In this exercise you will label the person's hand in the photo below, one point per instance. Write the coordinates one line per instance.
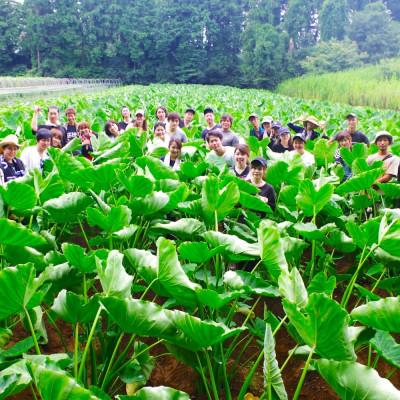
(36, 109)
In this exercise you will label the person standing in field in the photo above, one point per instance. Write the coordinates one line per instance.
(356, 135)
(173, 130)
(187, 120)
(210, 121)
(219, 155)
(266, 124)
(71, 127)
(344, 140)
(384, 140)
(126, 119)
(33, 157)
(229, 138)
(111, 130)
(298, 145)
(256, 130)
(284, 142)
(258, 168)
(274, 135)
(241, 155)
(161, 139)
(11, 167)
(308, 130)
(53, 114)
(139, 122)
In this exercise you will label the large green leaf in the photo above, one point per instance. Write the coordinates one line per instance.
(149, 319)
(67, 207)
(362, 181)
(77, 257)
(312, 201)
(72, 308)
(17, 287)
(14, 379)
(100, 177)
(116, 219)
(390, 238)
(19, 196)
(198, 252)
(323, 325)
(254, 203)
(137, 186)
(272, 374)
(113, 277)
(324, 152)
(185, 228)
(157, 168)
(383, 314)
(292, 288)
(157, 393)
(150, 204)
(386, 347)
(17, 235)
(352, 380)
(271, 249)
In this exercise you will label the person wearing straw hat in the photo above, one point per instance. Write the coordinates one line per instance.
(384, 140)
(11, 167)
(308, 130)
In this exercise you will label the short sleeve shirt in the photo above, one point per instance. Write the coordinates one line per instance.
(390, 164)
(220, 161)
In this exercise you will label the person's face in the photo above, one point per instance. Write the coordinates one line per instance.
(160, 132)
(352, 123)
(214, 143)
(266, 126)
(125, 112)
(225, 124)
(284, 137)
(56, 142)
(71, 118)
(44, 144)
(254, 121)
(173, 123)
(241, 158)
(189, 116)
(53, 115)
(174, 150)
(310, 126)
(345, 142)
(209, 118)
(84, 133)
(139, 118)
(383, 143)
(114, 129)
(257, 171)
(298, 145)
(9, 152)
(161, 115)
(275, 131)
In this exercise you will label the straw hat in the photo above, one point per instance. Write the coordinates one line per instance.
(10, 139)
(313, 120)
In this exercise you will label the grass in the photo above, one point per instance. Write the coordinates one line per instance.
(373, 86)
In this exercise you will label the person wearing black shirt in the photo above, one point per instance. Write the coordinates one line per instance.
(308, 131)
(356, 136)
(241, 157)
(70, 128)
(51, 122)
(258, 167)
(187, 119)
(11, 167)
(284, 142)
(210, 121)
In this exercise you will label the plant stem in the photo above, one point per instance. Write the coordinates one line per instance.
(211, 373)
(89, 341)
(203, 377)
(32, 331)
(57, 329)
(76, 350)
(85, 288)
(313, 244)
(84, 235)
(303, 375)
(288, 357)
(33, 391)
(250, 375)
(114, 353)
(226, 382)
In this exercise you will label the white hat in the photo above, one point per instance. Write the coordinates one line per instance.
(383, 134)
(141, 112)
(268, 120)
(10, 139)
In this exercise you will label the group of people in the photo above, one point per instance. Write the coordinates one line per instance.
(225, 148)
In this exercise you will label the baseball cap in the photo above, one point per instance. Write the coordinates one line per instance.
(268, 120)
(299, 136)
(284, 131)
(139, 112)
(259, 160)
(351, 116)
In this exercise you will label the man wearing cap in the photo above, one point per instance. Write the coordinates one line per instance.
(11, 167)
(383, 140)
(210, 121)
(256, 130)
(284, 143)
(34, 156)
(298, 145)
(219, 155)
(266, 193)
(356, 136)
(308, 131)
(274, 135)
(229, 138)
(139, 122)
(187, 119)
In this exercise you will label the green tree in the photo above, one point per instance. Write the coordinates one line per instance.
(333, 19)
(375, 32)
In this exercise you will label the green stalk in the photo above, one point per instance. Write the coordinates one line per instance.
(303, 375)
(114, 354)
(226, 382)
(89, 341)
(211, 373)
(203, 377)
(33, 391)
(250, 375)
(288, 358)
(85, 288)
(76, 349)
(32, 331)
(216, 220)
(57, 329)
(84, 235)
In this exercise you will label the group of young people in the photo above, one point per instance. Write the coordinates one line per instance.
(225, 148)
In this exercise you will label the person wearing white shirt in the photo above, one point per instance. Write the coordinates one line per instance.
(298, 144)
(34, 156)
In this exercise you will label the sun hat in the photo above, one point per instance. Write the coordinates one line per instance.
(383, 134)
(10, 139)
(252, 116)
(259, 160)
(139, 112)
(267, 120)
(313, 120)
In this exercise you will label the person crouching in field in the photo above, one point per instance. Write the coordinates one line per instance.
(384, 140)
(241, 167)
(11, 167)
(173, 157)
(33, 157)
(220, 155)
(298, 145)
(344, 140)
(161, 139)
(258, 167)
(284, 142)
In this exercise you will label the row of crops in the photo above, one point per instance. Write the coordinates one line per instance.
(122, 259)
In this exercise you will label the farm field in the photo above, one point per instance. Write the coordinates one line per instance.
(373, 86)
(122, 278)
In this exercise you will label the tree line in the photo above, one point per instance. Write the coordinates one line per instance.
(238, 42)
